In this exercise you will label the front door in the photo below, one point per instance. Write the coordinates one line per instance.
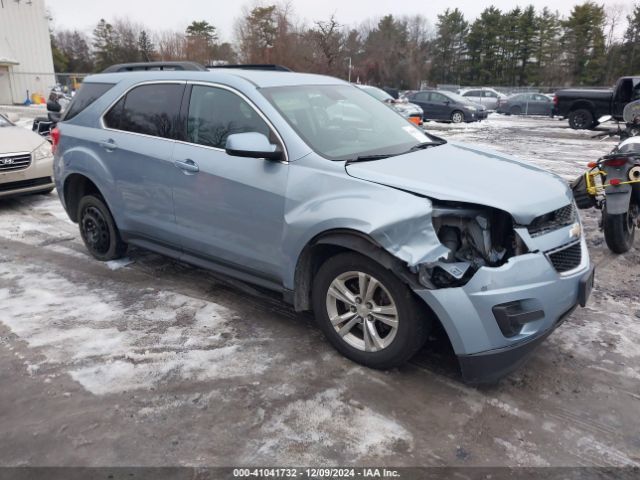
(440, 106)
(228, 209)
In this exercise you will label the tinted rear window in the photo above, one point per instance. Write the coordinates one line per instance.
(88, 93)
(148, 109)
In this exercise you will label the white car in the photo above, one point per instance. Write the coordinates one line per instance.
(26, 161)
(487, 97)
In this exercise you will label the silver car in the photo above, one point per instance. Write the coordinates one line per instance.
(487, 97)
(308, 186)
(26, 161)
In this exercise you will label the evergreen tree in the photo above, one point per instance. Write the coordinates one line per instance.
(449, 47)
(585, 43)
(632, 41)
(105, 45)
(146, 47)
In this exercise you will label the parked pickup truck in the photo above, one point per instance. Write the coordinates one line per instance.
(583, 106)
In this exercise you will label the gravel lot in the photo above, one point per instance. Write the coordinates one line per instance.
(152, 362)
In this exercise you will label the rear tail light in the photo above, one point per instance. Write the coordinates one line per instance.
(615, 182)
(615, 162)
(555, 100)
(55, 139)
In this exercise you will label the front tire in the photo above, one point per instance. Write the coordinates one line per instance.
(515, 111)
(98, 229)
(367, 313)
(457, 117)
(620, 229)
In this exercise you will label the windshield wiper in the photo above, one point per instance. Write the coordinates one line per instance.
(369, 158)
(423, 145)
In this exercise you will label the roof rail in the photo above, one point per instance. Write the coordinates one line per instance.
(254, 66)
(142, 66)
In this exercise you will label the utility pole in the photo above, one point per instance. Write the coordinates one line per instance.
(349, 59)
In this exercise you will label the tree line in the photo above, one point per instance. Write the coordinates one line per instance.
(518, 47)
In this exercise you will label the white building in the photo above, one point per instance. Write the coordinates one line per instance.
(26, 62)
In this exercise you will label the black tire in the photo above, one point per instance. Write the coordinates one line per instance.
(582, 198)
(413, 322)
(98, 229)
(515, 110)
(457, 116)
(619, 230)
(581, 119)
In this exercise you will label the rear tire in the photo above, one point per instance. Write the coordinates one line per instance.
(98, 229)
(619, 230)
(515, 111)
(387, 308)
(457, 117)
(581, 119)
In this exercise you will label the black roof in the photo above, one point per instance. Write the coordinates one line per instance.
(254, 66)
(141, 66)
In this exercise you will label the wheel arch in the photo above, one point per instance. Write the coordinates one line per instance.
(582, 104)
(329, 243)
(76, 186)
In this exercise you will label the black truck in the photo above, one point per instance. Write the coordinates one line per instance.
(583, 106)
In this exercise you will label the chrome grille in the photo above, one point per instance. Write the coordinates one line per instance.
(14, 162)
(551, 221)
(566, 257)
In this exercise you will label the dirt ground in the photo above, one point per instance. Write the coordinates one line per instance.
(151, 362)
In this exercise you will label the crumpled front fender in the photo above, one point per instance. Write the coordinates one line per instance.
(325, 199)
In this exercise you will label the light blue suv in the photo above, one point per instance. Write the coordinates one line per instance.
(306, 185)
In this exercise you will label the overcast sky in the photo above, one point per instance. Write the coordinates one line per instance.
(176, 15)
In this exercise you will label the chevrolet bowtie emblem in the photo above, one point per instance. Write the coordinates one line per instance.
(575, 231)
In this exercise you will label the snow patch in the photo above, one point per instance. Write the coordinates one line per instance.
(329, 421)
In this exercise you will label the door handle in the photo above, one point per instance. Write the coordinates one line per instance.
(109, 145)
(188, 165)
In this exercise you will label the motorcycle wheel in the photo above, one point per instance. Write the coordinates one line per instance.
(620, 229)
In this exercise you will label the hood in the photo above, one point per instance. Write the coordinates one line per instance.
(17, 139)
(457, 172)
(407, 108)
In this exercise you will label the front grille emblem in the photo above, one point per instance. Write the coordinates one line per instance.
(7, 161)
(575, 231)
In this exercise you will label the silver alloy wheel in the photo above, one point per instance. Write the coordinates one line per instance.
(457, 117)
(362, 311)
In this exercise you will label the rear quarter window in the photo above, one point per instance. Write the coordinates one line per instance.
(88, 93)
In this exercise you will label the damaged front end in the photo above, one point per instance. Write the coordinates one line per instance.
(475, 237)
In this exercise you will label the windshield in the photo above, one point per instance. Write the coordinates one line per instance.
(4, 122)
(340, 122)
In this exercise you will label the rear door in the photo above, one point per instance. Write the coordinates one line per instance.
(228, 209)
(137, 144)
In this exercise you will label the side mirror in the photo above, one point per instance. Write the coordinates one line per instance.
(252, 145)
(605, 118)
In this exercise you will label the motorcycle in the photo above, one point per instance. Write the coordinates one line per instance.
(56, 104)
(612, 185)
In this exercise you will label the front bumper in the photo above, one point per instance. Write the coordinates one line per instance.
(38, 177)
(468, 316)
